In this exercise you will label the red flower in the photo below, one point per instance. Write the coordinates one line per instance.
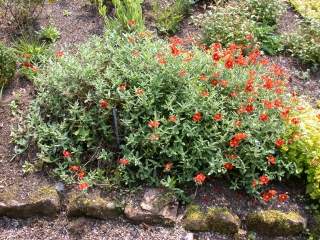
(199, 178)
(241, 61)
(224, 83)
(234, 143)
(264, 117)
(103, 103)
(283, 197)
(204, 93)
(123, 161)
(168, 166)
(249, 37)
(131, 22)
(264, 180)
(66, 154)
(240, 136)
(74, 168)
(216, 57)
(27, 64)
(254, 183)
(153, 124)
(83, 186)
(237, 123)
(182, 73)
(249, 108)
(214, 82)
(295, 121)
(271, 159)
(267, 104)
(176, 40)
(122, 87)
(229, 63)
(277, 103)
(229, 166)
(174, 50)
(268, 83)
(267, 196)
(233, 94)
(285, 113)
(139, 92)
(279, 142)
(203, 77)
(172, 118)
(59, 54)
(197, 117)
(81, 174)
(217, 117)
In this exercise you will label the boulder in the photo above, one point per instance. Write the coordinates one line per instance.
(91, 205)
(158, 206)
(215, 219)
(222, 220)
(276, 223)
(195, 219)
(44, 201)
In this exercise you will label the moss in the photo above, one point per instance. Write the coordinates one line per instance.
(44, 193)
(195, 219)
(223, 221)
(274, 222)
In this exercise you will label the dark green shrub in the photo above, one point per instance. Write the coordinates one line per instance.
(7, 65)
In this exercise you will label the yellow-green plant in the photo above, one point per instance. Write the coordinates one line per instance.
(307, 8)
(129, 13)
(304, 146)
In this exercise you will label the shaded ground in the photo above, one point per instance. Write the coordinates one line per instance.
(81, 23)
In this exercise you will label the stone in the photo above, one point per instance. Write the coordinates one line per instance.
(276, 223)
(195, 219)
(222, 220)
(156, 199)
(91, 205)
(44, 201)
(138, 215)
(219, 220)
(187, 236)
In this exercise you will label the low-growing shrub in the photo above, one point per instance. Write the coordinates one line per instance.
(7, 65)
(303, 147)
(304, 43)
(266, 12)
(307, 8)
(49, 34)
(179, 115)
(231, 25)
(169, 18)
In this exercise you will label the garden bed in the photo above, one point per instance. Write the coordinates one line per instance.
(77, 23)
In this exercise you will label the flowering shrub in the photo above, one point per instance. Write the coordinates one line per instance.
(7, 65)
(235, 23)
(183, 114)
(304, 139)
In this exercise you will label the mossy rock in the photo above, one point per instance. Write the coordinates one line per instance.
(92, 205)
(223, 221)
(219, 220)
(195, 219)
(44, 201)
(276, 223)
